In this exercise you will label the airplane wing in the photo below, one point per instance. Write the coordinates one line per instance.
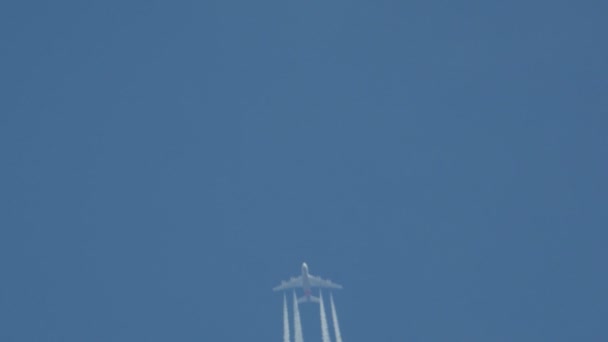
(288, 284)
(319, 282)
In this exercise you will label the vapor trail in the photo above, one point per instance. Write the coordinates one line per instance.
(334, 316)
(297, 324)
(286, 337)
(324, 329)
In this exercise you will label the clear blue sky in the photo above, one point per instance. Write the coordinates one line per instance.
(165, 164)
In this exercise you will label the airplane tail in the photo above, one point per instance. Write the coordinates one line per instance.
(308, 299)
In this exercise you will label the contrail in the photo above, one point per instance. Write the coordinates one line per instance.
(324, 330)
(286, 337)
(334, 316)
(297, 324)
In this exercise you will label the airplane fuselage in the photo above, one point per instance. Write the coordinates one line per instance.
(306, 281)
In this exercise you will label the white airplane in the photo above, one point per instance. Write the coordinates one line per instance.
(306, 281)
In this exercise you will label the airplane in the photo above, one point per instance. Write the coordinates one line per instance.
(306, 281)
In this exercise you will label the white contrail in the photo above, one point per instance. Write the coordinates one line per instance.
(297, 324)
(286, 337)
(324, 330)
(334, 316)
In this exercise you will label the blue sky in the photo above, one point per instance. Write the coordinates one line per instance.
(165, 164)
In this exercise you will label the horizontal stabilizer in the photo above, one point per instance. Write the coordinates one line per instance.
(308, 299)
